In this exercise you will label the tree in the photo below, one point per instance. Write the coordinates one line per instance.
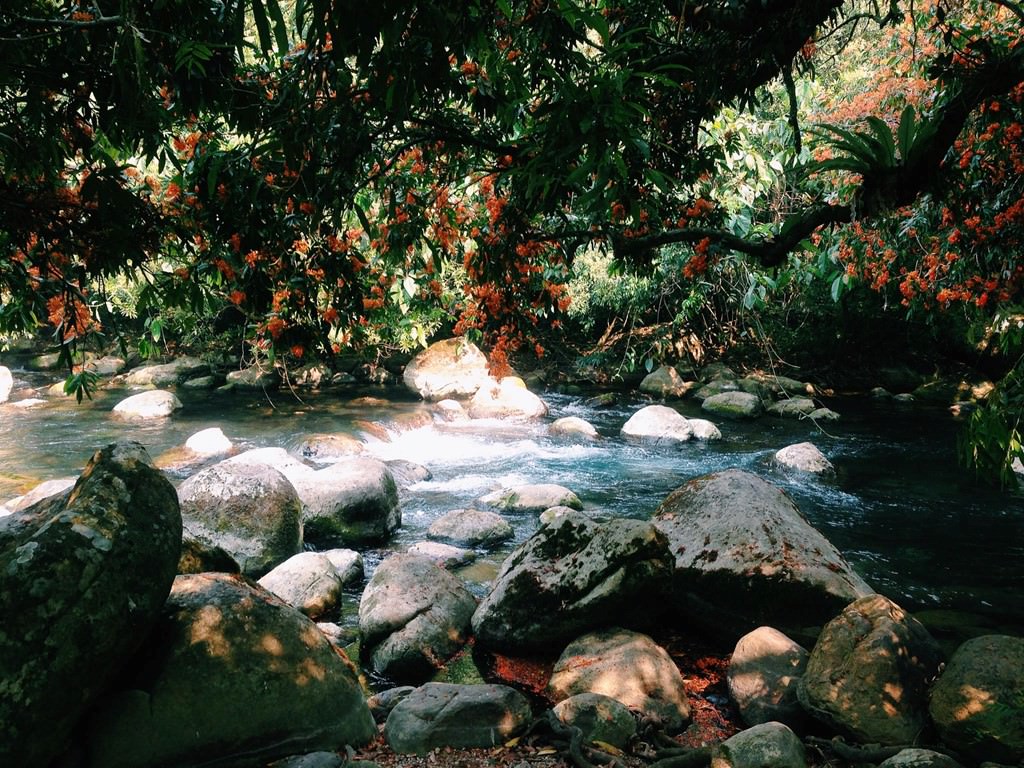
(341, 174)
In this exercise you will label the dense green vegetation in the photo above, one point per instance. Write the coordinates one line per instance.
(323, 176)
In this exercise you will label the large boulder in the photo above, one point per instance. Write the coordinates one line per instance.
(307, 581)
(83, 576)
(447, 369)
(506, 399)
(229, 676)
(745, 556)
(413, 616)
(167, 374)
(351, 502)
(250, 511)
(869, 673)
(658, 424)
(628, 667)
(154, 404)
(665, 382)
(570, 577)
(439, 715)
(978, 703)
(6, 383)
(532, 498)
(763, 674)
(769, 745)
(734, 405)
(470, 528)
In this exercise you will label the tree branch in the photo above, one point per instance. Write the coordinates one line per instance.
(99, 21)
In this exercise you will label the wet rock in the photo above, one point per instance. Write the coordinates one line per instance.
(506, 399)
(254, 377)
(804, 457)
(408, 473)
(450, 368)
(250, 511)
(600, 718)
(444, 555)
(869, 673)
(880, 393)
(276, 458)
(704, 430)
(745, 556)
(658, 424)
(328, 447)
(83, 577)
(6, 383)
(769, 745)
(439, 715)
(823, 414)
(919, 758)
(154, 404)
(793, 407)
(904, 398)
(209, 442)
(573, 426)
(470, 528)
(978, 703)
(307, 581)
(202, 383)
(570, 577)
(532, 498)
(716, 387)
(451, 410)
(413, 616)
(666, 382)
(734, 405)
(628, 667)
(230, 675)
(348, 564)
(167, 374)
(763, 674)
(352, 502)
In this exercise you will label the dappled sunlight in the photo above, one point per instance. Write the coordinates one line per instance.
(207, 628)
(272, 645)
(974, 701)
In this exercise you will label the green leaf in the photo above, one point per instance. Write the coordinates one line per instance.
(259, 15)
(907, 131)
(885, 139)
(280, 28)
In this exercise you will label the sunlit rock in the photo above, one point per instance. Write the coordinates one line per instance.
(762, 677)
(230, 675)
(45, 490)
(167, 374)
(254, 377)
(108, 365)
(746, 557)
(573, 426)
(628, 667)
(413, 616)
(307, 581)
(804, 457)
(978, 702)
(328, 447)
(532, 498)
(769, 745)
(407, 472)
(658, 424)
(451, 368)
(570, 577)
(780, 386)
(665, 382)
(444, 555)
(506, 399)
(250, 511)
(209, 442)
(154, 404)
(703, 429)
(83, 577)
(869, 673)
(6, 383)
(470, 528)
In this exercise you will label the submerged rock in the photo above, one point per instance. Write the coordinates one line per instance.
(745, 556)
(83, 576)
(229, 676)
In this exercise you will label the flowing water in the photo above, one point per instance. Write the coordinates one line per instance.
(899, 509)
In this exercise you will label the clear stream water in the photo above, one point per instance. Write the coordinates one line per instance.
(900, 509)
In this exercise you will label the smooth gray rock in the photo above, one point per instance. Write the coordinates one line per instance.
(413, 616)
(763, 673)
(83, 577)
(658, 424)
(704, 430)
(328, 447)
(978, 703)
(804, 457)
(45, 490)
(444, 555)
(459, 716)
(470, 528)
(451, 368)
(600, 718)
(167, 374)
(307, 581)
(6, 383)
(250, 511)
(573, 426)
(869, 673)
(154, 404)
(254, 377)
(746, 557)
(230, 676)
(382, 703)
(823, 414)
(506, 399)
(532, 498)
(407, 473)
(716, 387)
(665, 382)
(570, 577)
(108, 365)
(209, 442)
(919, 758)
(793, 407)
(734, 405)
(628, 667)
(348, 564)
(769, 745)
